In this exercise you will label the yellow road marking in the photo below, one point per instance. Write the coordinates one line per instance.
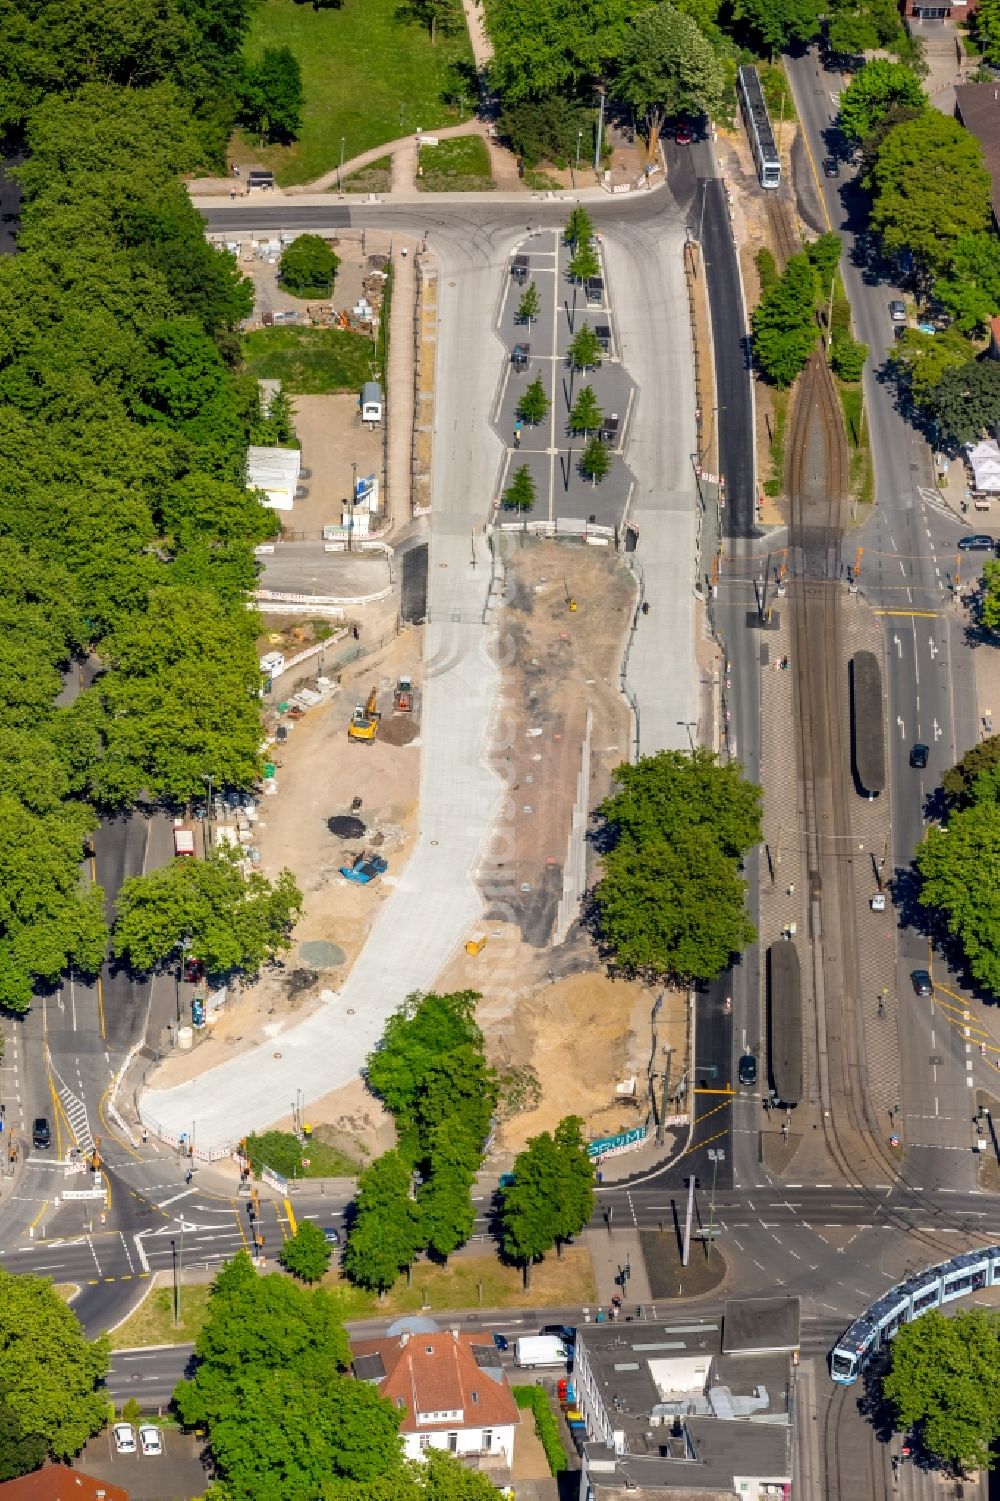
(729, 1090)
(291, 1216)
(100, 1003)
(239, 1222)
(38, 1216)
(697, 1145)
(804, 137)
(911, 614)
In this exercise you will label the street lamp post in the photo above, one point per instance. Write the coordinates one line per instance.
(714, 1158)
(208, 812)
(340, 169)
(579, 143)
(689, 725)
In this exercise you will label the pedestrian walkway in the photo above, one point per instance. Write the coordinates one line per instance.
(400, 393)
(610, 1252)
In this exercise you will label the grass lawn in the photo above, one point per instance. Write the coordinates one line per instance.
(862, 478)
(375, 178)
(367, 78)
(775, 484)
(475, 1282)
(153, 1321)
(310, 361)
(328, 1162)
(461, 165)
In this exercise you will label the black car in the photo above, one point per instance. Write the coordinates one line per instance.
(747, 1069)
(921, 981)
(831, 167)
(501, 1341)
(976, 542)
(41, 1135)
(918, 755)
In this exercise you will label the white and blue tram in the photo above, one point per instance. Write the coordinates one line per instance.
(902, 1304)
(758, 126)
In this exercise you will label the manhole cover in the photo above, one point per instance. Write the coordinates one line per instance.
(320, 954)
(345, 826)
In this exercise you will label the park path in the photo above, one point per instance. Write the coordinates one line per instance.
(400, 380)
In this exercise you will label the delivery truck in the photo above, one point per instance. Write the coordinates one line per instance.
(534, 1350)
(183, 840)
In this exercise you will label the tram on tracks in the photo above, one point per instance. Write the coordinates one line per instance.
(932, 1288)
(758, 126)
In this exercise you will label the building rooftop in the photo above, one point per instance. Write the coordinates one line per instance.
(60, 1483)
(977, 105)
(706, 1459)
(751, 1325)
(444, 1380)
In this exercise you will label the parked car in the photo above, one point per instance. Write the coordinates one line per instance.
(918, 755)
(877, 902)
(976, 542)
(41, 1135)
(565, 1332)
(747, 1069)
(150, 1440)
(921, 981)
(831, 166)
(331, 1235)
(897, 310)
(683, 134)
(124, 1438)
(502, 1342)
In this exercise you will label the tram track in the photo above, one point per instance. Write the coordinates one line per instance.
(787, 240)
(817, 485)
(855, 1461)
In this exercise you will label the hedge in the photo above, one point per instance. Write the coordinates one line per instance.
(546, 1425)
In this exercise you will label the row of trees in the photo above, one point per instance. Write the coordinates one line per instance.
(126, 533)
(931, 206)
(655, 61)
(672, 900)
(786, 323)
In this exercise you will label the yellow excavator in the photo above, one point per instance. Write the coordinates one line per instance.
(364, 721)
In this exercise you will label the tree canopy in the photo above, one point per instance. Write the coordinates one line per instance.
(281, 1416)
(785, 331)
(929, 188)
(385, 1233)
(671, 900)
(271, 96)
(873, 92)
(965, 402)
(970, 908)
(306, 1253)
(49, 1373)
(668, 68)
(944, 1383)
(959, 782)
(308, 267)
(231, 922)
(551, 1197)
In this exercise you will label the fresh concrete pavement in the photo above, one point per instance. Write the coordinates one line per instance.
(436, 901)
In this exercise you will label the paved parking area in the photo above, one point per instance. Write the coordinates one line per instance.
(550, 451)
(178, 1471)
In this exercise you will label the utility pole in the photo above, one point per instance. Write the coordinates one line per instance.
(340, 169)
(600, 135)
(208, 813)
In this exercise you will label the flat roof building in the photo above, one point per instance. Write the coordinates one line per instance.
(276, 472)
(667, 1412)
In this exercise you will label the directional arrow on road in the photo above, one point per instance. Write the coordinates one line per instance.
(902, 727)
(933, 647)
(898, 645)
(938, 731)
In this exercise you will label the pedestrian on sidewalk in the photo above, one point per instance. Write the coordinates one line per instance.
(145, 1136)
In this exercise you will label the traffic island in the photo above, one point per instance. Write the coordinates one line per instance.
(668, 1278)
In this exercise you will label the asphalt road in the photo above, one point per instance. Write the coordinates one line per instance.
(907, 567)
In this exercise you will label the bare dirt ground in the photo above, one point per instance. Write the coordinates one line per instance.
(320, 775)
(269, 297)
(333, 437)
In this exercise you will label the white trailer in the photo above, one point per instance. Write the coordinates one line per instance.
(540, 1350)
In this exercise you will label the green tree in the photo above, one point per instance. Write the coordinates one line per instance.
(970, 287)
(986, 22)
(272, 96)
(848, 356)
(586, 416)
(424, 1030)
(959, 782)
(437, 15)
(920, 360)
(306, 1254)
(595, 461)
(232, 922)
(671, 900)
(444, 1203)
(548, 129)
(944, 1382)
(281, 1151)
(785, 331)
(584, 262)
(575, 1201)
(529, 1213)
(49, 1375)
(282, 1419)
(579, 228)
(132, 1412)
(520, 494)
(534, 404)
(669, 68)
(929, 188)
(966, 401)
(529, 304)
(824, 256)
(385, 1232)
(989, 612)
(851, 34)
(275, 428)
(546, 47)
(776, 26)
(585, 349)
(968, 908)
(308, 267)
(874, 91)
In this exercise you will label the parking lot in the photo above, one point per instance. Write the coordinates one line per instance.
(178, 1471)
(551, 452)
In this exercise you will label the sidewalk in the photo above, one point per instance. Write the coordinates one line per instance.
(610, 1250)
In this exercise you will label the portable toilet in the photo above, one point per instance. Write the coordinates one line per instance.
(371, 401)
